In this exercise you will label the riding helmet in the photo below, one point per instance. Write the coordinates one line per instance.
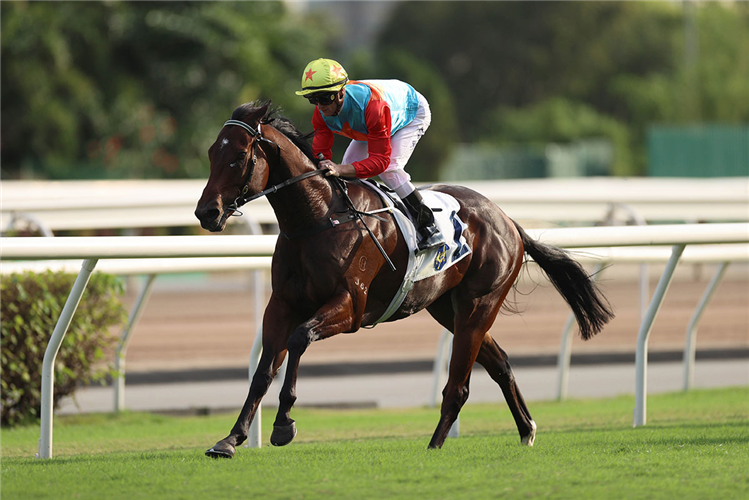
(322, 75)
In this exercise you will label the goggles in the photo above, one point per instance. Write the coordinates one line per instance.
(323, 99)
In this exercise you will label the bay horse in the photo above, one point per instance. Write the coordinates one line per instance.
(329, 279)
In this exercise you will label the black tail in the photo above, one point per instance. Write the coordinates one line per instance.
(590, 307)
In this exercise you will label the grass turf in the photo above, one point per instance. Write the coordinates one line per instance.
(696, 445)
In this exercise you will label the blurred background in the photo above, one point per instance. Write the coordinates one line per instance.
(128, 92)
(111, 90)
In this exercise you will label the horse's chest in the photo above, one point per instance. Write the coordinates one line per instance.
(303, 279)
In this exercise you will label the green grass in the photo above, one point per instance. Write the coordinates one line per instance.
(695, 445)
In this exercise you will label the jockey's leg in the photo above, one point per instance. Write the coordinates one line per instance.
(430, 234)
(396, 178)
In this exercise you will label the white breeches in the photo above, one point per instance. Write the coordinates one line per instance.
(403, 143)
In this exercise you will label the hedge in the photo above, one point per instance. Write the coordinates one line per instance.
(30, 306)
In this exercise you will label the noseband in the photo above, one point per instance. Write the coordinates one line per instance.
(257, 135)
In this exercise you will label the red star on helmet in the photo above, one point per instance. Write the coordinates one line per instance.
(336, 70)
(308, 75)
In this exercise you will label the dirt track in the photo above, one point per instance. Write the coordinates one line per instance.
(201, 329)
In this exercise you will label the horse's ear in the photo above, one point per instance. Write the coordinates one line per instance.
(252, 112)
(266, 110)
(262, 112)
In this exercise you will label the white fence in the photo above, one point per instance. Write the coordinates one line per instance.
(75, 205)
(93, 249)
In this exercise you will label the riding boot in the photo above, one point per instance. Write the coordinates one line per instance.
(422, 214)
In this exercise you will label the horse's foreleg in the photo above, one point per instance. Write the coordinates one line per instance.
(334, 317)
(275, 333)
(497, 364)
(261, 380)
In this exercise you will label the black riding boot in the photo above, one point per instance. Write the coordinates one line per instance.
(422, 214)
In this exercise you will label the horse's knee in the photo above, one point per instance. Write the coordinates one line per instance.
(507, 376)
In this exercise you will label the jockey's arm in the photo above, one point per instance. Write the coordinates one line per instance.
(377, 117)
(323, 140)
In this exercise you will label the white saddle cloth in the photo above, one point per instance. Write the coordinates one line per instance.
(425, 264)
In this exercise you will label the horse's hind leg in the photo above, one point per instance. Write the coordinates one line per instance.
(473, 318)
(333, 318)
(497, 364)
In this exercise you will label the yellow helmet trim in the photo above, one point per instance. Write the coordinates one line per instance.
(322, 75)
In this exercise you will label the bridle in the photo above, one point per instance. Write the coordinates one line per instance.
(257, 135)
(351, 210)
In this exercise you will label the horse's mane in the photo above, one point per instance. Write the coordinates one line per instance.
(278, 122)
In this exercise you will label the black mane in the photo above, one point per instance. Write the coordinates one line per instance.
(280, 123)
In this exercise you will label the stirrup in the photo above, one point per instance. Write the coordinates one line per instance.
(431, 237)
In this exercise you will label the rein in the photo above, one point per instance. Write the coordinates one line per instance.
(242, 200)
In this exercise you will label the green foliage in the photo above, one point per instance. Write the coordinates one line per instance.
(631, 63)
(139, 89)
(558, 120)
(31, 305)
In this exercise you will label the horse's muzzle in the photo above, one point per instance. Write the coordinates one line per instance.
(211, 218)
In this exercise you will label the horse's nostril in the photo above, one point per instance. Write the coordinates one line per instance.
(207, 214)
(211, 214)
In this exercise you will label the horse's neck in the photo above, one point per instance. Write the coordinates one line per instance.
(304, 203)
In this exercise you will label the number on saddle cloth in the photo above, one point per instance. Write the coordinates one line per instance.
(445, 208)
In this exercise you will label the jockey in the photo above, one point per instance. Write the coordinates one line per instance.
(384, 118)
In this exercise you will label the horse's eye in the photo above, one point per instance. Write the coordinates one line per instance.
(240, 159)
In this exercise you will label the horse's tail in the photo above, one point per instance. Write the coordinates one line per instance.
(590, 307)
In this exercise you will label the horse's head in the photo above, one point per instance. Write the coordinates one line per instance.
(239, 166)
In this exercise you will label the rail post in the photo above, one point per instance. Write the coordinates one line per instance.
(119, 357)
(48, 365)
(690, 347)
(641, 354)
(254, 437)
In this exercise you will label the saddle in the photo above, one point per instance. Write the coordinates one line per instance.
(425, 263)
(421, 264)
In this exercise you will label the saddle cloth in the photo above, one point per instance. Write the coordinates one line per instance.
(425, 264)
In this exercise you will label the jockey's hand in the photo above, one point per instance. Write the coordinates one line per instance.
(346, 170)
(330, 167)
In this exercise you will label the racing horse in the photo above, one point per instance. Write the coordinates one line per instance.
(328, 272)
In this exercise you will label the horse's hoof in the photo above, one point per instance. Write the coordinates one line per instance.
(283, 434)
(528, 440)
(220, 450)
